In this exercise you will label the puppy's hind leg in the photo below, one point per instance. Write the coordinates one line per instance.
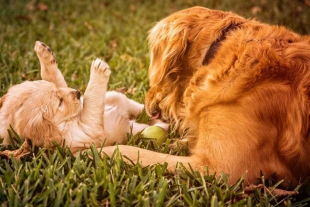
(49, 69)
(126, 107)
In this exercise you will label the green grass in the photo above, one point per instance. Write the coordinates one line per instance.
(78, 32)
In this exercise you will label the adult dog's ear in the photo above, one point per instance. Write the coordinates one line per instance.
(167, 43)
(37, 127)
(171, 38)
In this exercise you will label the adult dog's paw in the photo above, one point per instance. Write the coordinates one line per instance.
(100, 67)
(44, 53)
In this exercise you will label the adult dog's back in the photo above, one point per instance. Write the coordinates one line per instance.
(237, 88)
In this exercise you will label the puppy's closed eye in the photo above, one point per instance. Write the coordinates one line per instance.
(60, 102)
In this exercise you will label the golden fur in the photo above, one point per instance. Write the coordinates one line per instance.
(47, 111)
(240, 95)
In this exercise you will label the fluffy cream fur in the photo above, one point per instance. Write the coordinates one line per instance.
(47, 111)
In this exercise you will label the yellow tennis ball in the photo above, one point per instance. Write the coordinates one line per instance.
(155, 132)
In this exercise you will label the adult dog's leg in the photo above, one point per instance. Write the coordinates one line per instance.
(94, 97)
(49, 69)
(147, 157)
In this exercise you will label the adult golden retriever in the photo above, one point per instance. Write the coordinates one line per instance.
(239, 91)
(48, 111)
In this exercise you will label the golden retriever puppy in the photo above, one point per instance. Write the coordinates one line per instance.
(47, 111)
(241, 95)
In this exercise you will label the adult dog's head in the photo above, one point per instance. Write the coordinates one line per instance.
(240, 88)
(178, 46)
(35, 109)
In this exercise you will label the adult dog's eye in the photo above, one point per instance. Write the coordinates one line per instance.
(60, 101)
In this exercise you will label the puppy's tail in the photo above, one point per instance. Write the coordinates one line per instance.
(147, 157)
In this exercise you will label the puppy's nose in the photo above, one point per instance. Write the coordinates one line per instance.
(78, 94)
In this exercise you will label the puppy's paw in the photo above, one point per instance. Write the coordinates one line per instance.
(44, 53)
(160, 123)
(100, 67)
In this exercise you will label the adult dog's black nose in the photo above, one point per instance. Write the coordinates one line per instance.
(78, 94)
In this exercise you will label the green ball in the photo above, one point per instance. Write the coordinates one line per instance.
(155, 132)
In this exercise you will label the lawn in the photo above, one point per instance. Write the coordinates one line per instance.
(80, 31)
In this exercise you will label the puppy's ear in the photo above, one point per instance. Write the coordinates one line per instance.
(38, 128)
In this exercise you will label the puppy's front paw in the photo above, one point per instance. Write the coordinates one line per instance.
(101, 68)
(44, 53)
